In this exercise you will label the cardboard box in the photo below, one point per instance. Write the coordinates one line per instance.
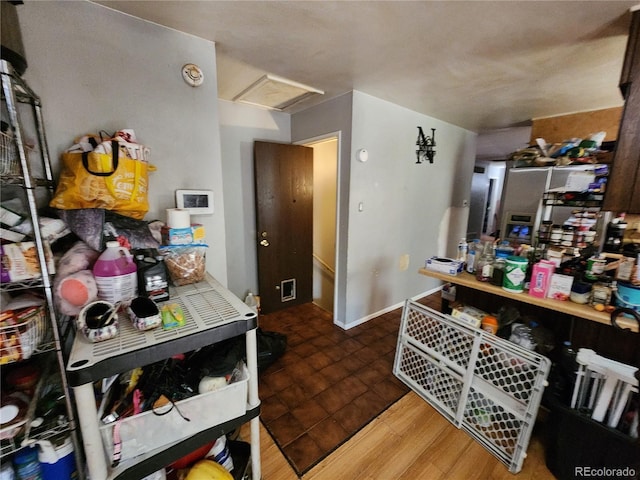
(560, 287)
(471, 315)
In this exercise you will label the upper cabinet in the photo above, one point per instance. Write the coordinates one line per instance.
(623, 191)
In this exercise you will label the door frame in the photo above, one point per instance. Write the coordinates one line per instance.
(338, 275)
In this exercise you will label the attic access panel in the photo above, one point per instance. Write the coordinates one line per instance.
(275, 93)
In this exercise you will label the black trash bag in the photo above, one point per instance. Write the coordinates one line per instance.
(221, 358)
(271, 346)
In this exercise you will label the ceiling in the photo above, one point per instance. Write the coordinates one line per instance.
(481, 65)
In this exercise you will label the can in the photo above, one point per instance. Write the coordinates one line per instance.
(515, 272)
(595, 267)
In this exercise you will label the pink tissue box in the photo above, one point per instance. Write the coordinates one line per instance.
(541, 278)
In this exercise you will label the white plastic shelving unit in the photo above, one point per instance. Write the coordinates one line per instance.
(212, 314)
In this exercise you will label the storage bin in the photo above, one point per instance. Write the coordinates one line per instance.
(149, 430)
(21, 333)
(578, 447)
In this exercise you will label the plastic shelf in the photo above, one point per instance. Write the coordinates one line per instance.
(212, 314)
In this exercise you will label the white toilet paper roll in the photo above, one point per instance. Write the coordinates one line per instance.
(178, 218)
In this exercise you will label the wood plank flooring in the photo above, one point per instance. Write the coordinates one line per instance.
(408, 441)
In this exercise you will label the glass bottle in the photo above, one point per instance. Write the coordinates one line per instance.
(484, 269)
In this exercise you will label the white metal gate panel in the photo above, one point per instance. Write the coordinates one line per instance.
(481, 383)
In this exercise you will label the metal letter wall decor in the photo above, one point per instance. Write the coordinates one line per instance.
(426, 150)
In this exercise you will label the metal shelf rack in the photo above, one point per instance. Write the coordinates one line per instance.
(30, 176)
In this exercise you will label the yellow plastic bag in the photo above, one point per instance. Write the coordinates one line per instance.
(113, 181)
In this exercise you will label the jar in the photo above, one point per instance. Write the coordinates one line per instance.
(568, 235)
(544, 233)
(556, 234)
(589, 236)
(490, 324)
(498, 271)
(601, 293)
(580, 292)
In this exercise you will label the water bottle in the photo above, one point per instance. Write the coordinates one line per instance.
(251, 302)
(115, 272)
(463, 249)
(472, 255)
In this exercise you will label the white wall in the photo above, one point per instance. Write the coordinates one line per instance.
(325, 171)
(409, 211)
(333, 116)
(240, 126)
(97, 69)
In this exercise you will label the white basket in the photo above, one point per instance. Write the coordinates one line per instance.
(150, 430)
(18, 342)
(8, 155)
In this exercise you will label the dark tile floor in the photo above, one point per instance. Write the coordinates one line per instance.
(330, 382)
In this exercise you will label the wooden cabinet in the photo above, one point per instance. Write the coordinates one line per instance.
(623, 194)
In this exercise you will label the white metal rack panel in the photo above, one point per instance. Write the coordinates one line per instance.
(481, 383)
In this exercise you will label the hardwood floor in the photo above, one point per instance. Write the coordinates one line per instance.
(409, 440)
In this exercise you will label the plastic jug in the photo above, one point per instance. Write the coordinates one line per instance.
(115, 274)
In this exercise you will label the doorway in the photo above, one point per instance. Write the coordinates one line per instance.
(325, 198)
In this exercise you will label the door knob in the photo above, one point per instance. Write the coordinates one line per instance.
(264, 243)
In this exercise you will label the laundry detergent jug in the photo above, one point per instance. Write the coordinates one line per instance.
(115, 272)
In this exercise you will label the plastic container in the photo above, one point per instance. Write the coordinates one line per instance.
(57, 462)
(463, 250)
(116, 274)
(473, 255)
(580, 293)
(6, 472)
(628, 295)
(515, 272)
(490, 324)
(521, 335)
(595, 267)
(26, 464)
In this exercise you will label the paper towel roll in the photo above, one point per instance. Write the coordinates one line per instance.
(178, 218)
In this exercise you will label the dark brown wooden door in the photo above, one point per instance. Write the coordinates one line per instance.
(284, 224)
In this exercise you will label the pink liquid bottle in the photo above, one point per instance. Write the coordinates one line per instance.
(115, 272)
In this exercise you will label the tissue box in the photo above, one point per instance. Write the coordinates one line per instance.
(444, 265)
